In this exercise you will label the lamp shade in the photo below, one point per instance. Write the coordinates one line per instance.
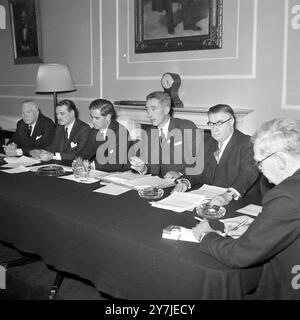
(54, 78)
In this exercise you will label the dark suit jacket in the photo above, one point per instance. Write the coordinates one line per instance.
(236, 168)
(41, 137)
(178, 154)
(273, 239)
(78, 137)
(109, 153)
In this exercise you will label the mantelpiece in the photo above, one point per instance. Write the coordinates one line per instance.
(132, 114)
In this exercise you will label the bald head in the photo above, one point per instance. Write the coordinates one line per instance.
(30, 112)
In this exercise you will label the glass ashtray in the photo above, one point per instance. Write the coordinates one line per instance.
(208, 211)
(51, 171)
(151, 193)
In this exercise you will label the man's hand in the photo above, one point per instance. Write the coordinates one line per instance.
(200, 228)
(10, 152)
(10, 147)
(221, 200)
(35, 153)
(180, 187)
(45, 155)
(172, 175)
(138, 165)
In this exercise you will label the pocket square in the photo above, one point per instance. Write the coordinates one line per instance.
(178, 143)
(38, 137)
(73, 144)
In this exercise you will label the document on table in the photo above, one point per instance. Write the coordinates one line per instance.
(179, 201)
(178, 233)
(209, 191)
(19, 169)
(35, 168)
(97, 174)
(112, 189)
(13, 162)
(252, 210)
(235, 227)
(72, 178)
(137, 181)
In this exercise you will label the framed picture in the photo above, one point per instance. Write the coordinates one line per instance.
(26, 33)
(177, 25)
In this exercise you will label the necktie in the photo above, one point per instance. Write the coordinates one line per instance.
(162, 137)
(217, 153)
(29, 130)
(66, 134)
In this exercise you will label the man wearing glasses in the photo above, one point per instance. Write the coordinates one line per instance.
(228, 158)
(273, 238)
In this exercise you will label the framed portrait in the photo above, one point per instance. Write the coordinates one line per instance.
(26, 32)
(178, 25)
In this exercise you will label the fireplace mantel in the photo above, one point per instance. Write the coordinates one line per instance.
(132, 114)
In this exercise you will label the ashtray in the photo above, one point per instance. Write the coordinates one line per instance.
(151, 193)
(208, 211)
(51, 170)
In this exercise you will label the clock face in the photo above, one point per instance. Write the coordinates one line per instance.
(167, 81)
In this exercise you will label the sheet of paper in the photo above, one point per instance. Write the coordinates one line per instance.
(179, 201)
(231, 223)
(35, 168)
(72, 178)
(138, 181)
(184, 234)
(18, 169)
(252, 209)
(22, 159)
(209, 191)
(112, 189)
(97, 174)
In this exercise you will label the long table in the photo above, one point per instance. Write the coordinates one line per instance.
(114, 241)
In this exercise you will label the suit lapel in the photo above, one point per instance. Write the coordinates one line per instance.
(73, 131)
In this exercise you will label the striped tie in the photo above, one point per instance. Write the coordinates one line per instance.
(217, 153)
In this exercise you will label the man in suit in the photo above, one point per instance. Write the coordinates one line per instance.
(228, 158)
(34, 130)
(170, 147)
(273, 238)
(108, 140)
(71, 134)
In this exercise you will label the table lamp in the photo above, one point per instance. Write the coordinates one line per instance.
(54, 78)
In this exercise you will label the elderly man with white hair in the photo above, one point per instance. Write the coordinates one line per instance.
(34, 131)
(273, 238)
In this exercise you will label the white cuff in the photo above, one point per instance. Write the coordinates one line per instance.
(19, 152)
(57, 156)
(236, 195)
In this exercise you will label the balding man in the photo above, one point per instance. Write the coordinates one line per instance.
(34, 131)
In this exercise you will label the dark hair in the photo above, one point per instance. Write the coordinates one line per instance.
(222, 108)
(105, 107)
(70, 105)
(161, 96)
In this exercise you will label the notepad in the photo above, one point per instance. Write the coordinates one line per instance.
(178, 233)
(251, 209)
(179, 201)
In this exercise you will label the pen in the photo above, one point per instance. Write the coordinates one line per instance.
(199, 219)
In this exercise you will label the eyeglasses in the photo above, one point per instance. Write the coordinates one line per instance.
(217, 124)
(258, 163)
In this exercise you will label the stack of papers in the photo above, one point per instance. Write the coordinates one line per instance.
(209, 191)
(251, 210)
(19, 169)
(178, 233)
(13, 162)
(179, 201)
(35, 168)
(138, 182)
